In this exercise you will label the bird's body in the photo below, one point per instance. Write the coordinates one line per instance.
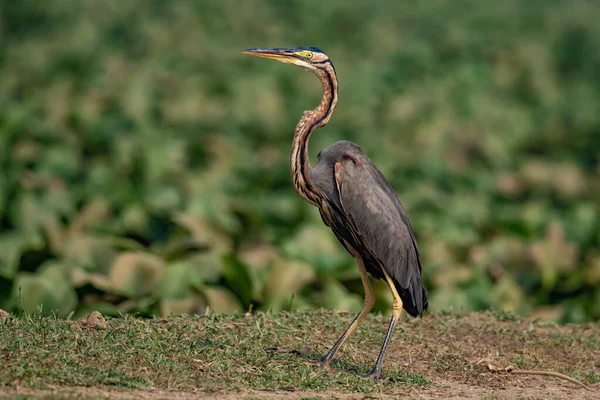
(355, 201)
(368, 202)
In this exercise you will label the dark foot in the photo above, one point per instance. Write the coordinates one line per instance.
(319, 363)
(377, 376)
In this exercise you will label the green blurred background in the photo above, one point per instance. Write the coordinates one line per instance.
(145, 160)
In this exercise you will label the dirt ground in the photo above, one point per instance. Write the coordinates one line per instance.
(508, 388)
(472, 356)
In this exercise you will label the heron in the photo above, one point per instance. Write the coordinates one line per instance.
(356, 201)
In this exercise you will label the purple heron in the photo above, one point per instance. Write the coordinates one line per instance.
(356, 202)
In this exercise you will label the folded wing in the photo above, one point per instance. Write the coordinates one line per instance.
(372, 206)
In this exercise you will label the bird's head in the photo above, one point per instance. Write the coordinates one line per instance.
(305, 57)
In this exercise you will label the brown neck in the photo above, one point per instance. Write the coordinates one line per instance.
(310, 121)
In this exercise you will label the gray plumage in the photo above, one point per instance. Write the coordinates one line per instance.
(367, 213)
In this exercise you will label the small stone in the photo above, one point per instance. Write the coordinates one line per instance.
(4, 315)
(95, 321)
(76, 327)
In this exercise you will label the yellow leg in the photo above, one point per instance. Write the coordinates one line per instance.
(368, 305)
(396, 312)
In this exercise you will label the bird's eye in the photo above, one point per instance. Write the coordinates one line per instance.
(308, 55)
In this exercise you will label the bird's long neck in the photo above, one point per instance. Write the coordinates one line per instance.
(310, 121)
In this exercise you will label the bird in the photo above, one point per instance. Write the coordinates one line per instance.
(356, 201)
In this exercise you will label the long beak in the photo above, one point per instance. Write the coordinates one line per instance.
(282, 55)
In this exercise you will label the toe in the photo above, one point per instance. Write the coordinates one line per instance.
(377, 376)
(319, 363)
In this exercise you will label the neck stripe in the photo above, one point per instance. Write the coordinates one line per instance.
(307, 190)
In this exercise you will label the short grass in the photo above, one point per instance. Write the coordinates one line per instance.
(217, 354)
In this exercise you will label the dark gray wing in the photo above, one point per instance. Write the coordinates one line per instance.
(372, 206)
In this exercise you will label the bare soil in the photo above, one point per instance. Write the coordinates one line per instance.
(531, 388)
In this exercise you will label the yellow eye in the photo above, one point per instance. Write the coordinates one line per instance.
(308, 55)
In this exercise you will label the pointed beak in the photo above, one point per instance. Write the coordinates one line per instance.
(282, 55)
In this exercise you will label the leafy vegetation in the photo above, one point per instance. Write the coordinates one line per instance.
(144, 160)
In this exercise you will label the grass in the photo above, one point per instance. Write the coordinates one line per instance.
(218, 354)
(208, 352)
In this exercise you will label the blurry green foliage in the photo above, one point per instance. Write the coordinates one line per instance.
(145, 161)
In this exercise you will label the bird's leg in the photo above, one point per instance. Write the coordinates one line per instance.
(368, 305)
(376, 372)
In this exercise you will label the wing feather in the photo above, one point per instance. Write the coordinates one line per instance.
(378, 218)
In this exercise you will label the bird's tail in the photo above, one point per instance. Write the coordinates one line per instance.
(414, 299)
